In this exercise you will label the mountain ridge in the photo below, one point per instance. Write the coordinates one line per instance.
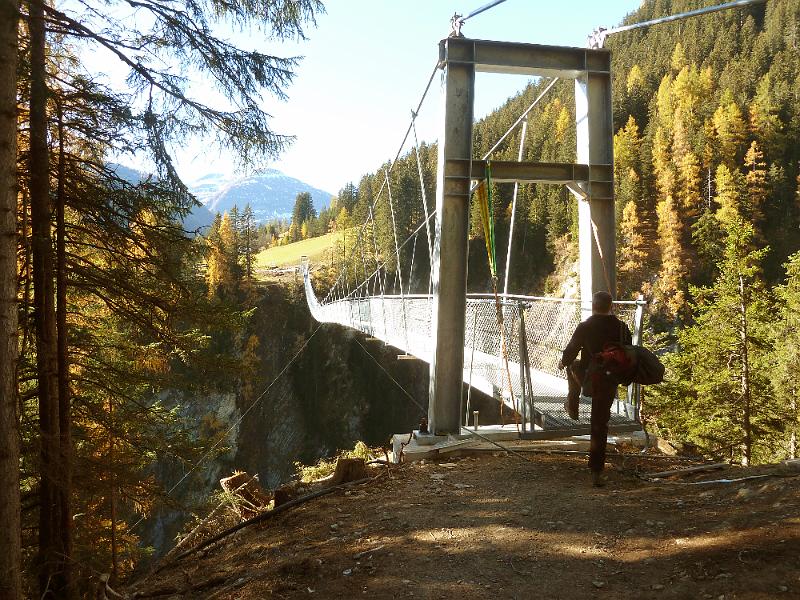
(270, 193)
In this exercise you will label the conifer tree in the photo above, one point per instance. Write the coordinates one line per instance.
(216, 264)
(670, 288)
(248, 236)
(756, 187)
(633, 254)
(229, 238)
(718, 392)
(766, 124)
(10, 538)
(303, 212)
(637, 96)
(786, 363)
(730, 188)
(730, 130)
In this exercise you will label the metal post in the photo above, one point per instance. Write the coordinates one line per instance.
(596, 233)
(451, 240)
(523, 354)
(635, 389)
(471, 363)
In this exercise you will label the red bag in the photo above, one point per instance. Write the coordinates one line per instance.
(617, 362)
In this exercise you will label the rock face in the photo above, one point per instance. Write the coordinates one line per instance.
(333, 395)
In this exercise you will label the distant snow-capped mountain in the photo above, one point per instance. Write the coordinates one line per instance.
(271, 194)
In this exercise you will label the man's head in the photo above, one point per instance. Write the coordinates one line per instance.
(601, 303)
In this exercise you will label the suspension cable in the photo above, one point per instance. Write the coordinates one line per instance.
(412, 128)
(521, 118)
(478, 11)
(598, 37)
(422, 186)
(514, 207)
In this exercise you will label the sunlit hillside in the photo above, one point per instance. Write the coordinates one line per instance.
(318, 250)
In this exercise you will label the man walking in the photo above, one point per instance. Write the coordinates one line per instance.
(588, 339)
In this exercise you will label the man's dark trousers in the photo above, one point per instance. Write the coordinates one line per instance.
(603, 391)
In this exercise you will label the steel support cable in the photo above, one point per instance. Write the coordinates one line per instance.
(424, 206)
(377, 258)
(520, 154)
(522, 117)
(422, 187)
(238, 421)
(411, 127)
(378, 271)
(484, 194)
(411, 268)
(364, 261)
(402, 245)
(471, 362)
(686, 15)
(483, 8)
(372, 207)
(416, 112)
(389, 375)
(408, 130)
(397, 254)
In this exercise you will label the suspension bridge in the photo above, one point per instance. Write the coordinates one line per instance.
(502, 344)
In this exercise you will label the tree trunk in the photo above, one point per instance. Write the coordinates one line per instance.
(793, 432)
(53, 566)
(745, 375)
(112, 494)
(64, 396)
(10, 531)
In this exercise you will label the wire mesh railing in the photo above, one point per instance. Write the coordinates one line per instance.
(493, 362)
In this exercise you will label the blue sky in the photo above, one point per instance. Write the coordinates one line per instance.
(366, 65)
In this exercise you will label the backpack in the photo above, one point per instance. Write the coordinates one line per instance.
(630, 364)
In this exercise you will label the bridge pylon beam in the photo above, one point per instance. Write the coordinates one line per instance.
(596, 219)
(451, 239)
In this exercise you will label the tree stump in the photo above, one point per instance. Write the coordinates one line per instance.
(349, 469)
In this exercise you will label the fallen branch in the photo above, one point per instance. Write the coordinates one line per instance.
(272, 513)
(169, 556)
(737, 480)
(172, 589)
(687, 471)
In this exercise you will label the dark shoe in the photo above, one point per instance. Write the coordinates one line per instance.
(598, 480)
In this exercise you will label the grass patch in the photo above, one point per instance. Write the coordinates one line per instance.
(316, 249)
(326, 467)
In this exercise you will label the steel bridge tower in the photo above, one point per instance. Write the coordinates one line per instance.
(590, 180)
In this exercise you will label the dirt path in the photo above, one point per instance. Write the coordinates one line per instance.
(495, 526)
